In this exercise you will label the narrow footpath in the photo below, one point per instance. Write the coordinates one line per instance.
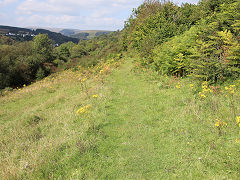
(144, 134)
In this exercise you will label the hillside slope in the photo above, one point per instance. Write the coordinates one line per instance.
(121, 125)
(24, 34)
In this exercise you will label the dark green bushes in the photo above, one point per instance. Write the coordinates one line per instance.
(208, 51)
(175, 41)
(21, 63)
(155, 23)
(174, 57)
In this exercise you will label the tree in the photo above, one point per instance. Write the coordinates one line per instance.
(78, 51)
(42, 46)
(63, 51)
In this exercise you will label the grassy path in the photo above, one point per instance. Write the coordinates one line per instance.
(150, 133)
(135, 129)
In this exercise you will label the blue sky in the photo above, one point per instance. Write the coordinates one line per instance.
(77, 14)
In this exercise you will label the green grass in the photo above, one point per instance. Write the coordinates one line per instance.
(138, 128)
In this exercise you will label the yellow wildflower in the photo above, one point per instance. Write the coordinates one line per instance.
(224, 124)
(83, 80)
(237, 140)
(191, 86)
(95, 96)
(220, 123)
(238, 120)
(231, 89)
(178, 85)
(83, 109)
(203, 96)
(205, 90)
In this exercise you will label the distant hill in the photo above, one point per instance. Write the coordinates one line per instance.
(25, 34)
(57, 37)
(89, 34)
(76, 33)
(67, 32)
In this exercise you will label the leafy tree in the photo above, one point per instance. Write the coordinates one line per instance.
(155, 23)
(42, 46)
(64, 51)
(78, 51)
(218, 58)
(174, 57)
(6, 40)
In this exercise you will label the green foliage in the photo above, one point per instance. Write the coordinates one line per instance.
(6, 40)
(156, 22)
(201, 41)
(174, 41)
(174, 56)
(13, 65)
(43, 47)
(40, 74)
(63, 52)
(78, 51)
(140, 126)
(20, 62)
(98, 49)
(218, 58)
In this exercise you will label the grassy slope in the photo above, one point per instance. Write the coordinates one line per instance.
(135, 129)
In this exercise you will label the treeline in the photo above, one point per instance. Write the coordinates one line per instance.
(24, 62)
(201, 41)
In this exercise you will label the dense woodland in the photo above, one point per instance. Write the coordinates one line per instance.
(201, 41)
(198, 41)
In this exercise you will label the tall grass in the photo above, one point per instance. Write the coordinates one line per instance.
(131, 124)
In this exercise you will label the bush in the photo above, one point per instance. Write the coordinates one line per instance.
(40, 74)
(174, 56)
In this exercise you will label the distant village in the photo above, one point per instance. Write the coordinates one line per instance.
(24, 34)
(20, 33)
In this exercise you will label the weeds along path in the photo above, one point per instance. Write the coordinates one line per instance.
(148, 133)
(132, 129)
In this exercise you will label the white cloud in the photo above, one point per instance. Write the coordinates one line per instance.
(85, 14)
(6, 2)
(66, 21)
(34, 6)
(70, 6)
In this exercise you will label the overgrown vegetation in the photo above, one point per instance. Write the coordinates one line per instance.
(24, 62)
(158, 100)
(201, 40)
(126, 123)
